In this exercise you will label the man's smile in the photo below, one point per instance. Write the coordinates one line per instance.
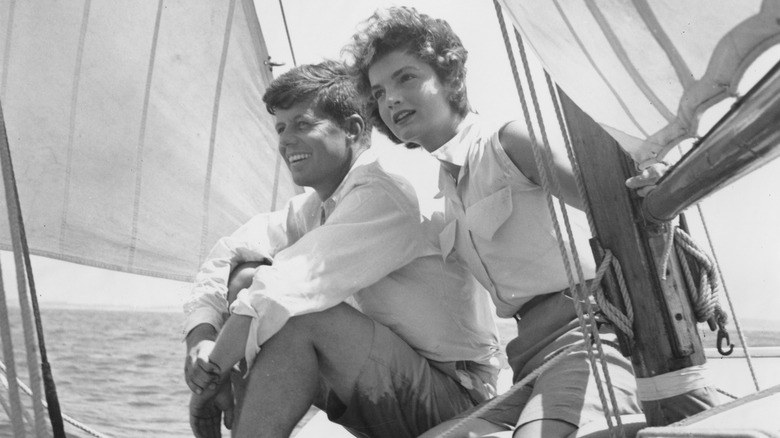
(296, 158)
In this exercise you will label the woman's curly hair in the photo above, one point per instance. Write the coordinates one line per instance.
(403, 28)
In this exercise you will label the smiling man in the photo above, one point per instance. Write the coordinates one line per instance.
(415, 346)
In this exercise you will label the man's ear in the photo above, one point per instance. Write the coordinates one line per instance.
(355, 125)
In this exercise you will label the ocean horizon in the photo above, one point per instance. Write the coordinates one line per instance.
(120, 371)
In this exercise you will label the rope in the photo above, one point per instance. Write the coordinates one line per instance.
(75, 423)
(495, 401)
(624, 322)
(8, 354)
(17, 235)
(287, 31)
(543, 161)
(570, 151)
(734, 318)
(704, 296)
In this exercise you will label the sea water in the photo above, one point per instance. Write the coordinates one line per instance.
(118, 372)
(121, 373)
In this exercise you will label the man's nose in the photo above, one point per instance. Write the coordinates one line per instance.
(285, 139)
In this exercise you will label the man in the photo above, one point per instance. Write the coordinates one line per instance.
(416, 345)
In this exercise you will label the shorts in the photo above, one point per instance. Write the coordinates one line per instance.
(567, 391)
(402, 394)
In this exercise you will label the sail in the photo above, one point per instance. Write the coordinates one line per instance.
(137, 129)
(646, 71)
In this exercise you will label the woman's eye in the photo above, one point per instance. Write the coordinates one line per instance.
(378, 94)
(279, 130)
(406, 77)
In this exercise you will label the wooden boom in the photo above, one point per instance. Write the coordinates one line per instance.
(744, 140)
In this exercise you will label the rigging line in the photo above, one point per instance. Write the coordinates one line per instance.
(72, 124)
(570, 151)
(622, 56)
(25, 414)
(213, 136)
(287, 31)
(546, 187)
(740, 334)
(8, 351)
(9, 32)
(598, 71)
(142, 137)
(543, 158)
(70, 420)
(17, 235)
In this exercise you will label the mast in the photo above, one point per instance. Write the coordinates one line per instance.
(666, 339)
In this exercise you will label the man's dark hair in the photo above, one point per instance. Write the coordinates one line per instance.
(329, 88)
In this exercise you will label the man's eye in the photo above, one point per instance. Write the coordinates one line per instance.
(406, 77)
(302, 125)
(279, 130)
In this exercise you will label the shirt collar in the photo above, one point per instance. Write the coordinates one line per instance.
(366, 157)
(456, 150)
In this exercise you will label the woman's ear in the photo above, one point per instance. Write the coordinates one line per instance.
(355, 126)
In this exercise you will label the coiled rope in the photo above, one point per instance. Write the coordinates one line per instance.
(75, 423)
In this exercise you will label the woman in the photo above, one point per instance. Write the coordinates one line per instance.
(412, 69)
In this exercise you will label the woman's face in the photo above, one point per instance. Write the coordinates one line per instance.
(412, 100)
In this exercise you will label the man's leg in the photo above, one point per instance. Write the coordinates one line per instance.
(284, 380)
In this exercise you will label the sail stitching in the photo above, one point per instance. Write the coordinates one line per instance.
(627, 64)
(213, 136)
(7, 50)
(612, 90)
(684, 74)
(142, 137)
(72, 124)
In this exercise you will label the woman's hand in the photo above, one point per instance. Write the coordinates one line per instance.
(647, 179)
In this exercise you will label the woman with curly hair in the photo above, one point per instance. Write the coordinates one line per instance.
(411, 68)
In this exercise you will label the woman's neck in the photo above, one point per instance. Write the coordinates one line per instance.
(437, 138)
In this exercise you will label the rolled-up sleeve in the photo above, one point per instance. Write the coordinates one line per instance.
(255, 241)
(373, 231)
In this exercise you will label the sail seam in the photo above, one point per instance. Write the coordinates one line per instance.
(651, 21)
(7, 50)
(593, 64)
(72, 123)
(214, 123)
(142, 137)
(628, 65)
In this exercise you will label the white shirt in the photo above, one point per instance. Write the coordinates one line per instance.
(498, 222)
(374, 247)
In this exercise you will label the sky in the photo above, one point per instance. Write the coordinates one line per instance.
(742, 218)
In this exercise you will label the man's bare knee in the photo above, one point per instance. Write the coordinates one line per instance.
(241, 278)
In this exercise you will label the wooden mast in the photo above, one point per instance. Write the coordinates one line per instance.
(665, 333)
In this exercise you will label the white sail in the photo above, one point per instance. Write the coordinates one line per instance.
(646, 70)
(137, 128)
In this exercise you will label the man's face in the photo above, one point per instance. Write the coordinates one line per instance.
(316, 150)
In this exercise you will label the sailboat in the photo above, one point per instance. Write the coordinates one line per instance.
(137, 136)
